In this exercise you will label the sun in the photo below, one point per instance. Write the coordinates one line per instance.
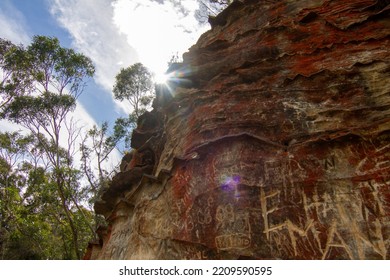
(161, 78)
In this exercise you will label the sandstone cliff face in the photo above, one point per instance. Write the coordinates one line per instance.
(275, 143)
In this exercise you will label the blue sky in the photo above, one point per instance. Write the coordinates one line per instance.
(113, 33)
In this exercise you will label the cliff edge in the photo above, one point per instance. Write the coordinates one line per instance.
(271, 141)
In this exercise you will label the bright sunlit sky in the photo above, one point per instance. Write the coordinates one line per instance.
(113, 33)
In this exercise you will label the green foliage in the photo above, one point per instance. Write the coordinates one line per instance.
(135, 85)
(52, 65)
(95, 149)
(121, 128)
(19, 223)
(41, 193)
(14, 80)
(40, 111)
(12, 145)
(33, 220)
(42, 212)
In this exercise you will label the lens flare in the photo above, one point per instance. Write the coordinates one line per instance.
(178, 75)
(231, 183)
(161, 78)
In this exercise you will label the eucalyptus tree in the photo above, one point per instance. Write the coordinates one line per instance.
(32, 223)
(13, 80)
(96, 147)
(56, 78)
(13, 147)
(134, 85)
(27, 205)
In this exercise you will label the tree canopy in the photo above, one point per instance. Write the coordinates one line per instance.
(45, 198)
(134, 84)
(41, 186)
(14, 80)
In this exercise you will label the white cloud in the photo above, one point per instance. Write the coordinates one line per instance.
(13, 25)
(6, 125)
(158, 29)
(90, 24)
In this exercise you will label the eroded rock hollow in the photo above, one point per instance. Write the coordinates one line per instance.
(271, 141)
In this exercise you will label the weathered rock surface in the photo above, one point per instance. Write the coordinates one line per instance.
(274, 145)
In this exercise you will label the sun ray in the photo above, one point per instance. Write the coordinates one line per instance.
(161, 78)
